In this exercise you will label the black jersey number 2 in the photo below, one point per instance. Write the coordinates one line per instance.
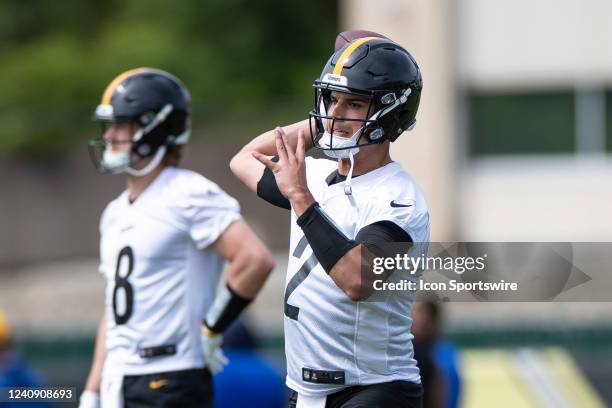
(122, 283)
(291, 311)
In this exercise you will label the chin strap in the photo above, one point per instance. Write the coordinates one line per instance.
(347, 184)
(159, 155)
(182, 138)
(161, 116)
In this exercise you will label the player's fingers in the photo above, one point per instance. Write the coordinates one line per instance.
(213, 368)
(280, 144)
(265, 160)
(300, 150)
(288, 148)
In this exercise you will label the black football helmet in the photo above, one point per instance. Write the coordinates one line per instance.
(158, 103)
(379, 70)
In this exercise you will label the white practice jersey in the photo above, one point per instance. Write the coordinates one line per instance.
(364, 342)
(161, 271)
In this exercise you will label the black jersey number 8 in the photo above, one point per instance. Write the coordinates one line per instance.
(121, 282)
(291, 311)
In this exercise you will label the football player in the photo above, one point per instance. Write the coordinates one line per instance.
(343, 351)
(163, 244)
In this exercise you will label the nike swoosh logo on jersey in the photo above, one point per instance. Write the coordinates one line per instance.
(394, 204)
(157, 384)
(127, 228)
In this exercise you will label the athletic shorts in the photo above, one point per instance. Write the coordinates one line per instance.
(173, 389)
(394, 394)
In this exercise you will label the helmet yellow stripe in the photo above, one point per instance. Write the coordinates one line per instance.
(347, 53)
(110, 89)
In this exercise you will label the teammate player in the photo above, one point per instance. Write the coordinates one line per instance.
(343, 351)
(162, 246)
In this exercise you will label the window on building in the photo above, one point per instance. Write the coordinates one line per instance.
(522, 123)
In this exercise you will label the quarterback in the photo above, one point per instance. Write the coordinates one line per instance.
(344, 349)
(163, 243)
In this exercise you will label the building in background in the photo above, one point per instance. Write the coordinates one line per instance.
(515, 129)
(513, 143)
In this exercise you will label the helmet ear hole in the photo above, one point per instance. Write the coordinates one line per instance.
(376, 134)
(143, 150)
(388, 99)
(146, 118)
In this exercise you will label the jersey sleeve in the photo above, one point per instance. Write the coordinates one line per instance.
(382, 232)
(208, 212)
(403, 210)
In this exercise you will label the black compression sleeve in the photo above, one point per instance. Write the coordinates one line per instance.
(382, 231)
(225, 309)
(268, 189)
(384, 239)
(327, 242)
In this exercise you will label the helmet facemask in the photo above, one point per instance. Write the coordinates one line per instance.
(382, 72)
(159, 104)
(383, 109)
(334, 146)
(124, 161)
(382, 106)
(150, 140)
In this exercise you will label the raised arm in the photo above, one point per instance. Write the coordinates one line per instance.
(250, 170)
(339, 256)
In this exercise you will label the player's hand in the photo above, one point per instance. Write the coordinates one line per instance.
(213, 354)
(89, 399)
(290, 170)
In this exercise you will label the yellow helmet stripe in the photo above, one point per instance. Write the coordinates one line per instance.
(347, 53)
(110, 89)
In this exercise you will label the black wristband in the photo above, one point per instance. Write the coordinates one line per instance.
(268, 189)
(225, 309)
(327, 242)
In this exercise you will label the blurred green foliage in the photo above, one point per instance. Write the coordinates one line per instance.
(242, 60)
